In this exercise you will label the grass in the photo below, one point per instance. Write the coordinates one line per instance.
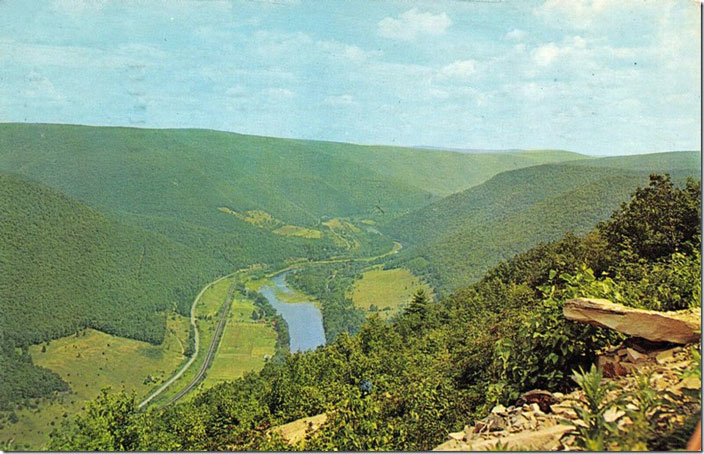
(243, 346)
(301, 232)
(212, 299)
(388, 290)
(206, 320)
(89, 363)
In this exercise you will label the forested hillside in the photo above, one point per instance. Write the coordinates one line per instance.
(454, 241)
(66, 267)
(190, 173)
(404, 384)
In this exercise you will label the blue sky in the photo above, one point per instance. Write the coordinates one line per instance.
(593, 76)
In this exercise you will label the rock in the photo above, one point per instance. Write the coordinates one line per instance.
(297, 430)
(564, 410)
(611, 367)
(665, 356)
(499, 410)
(680, 327)
(539, 440)
(539, 397)
(452, 445)
(519, 421)
(691, 383)
(613, 414)
(495, 422)
(635, 356)
(456, 435)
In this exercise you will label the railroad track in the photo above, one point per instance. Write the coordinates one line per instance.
(224, 310)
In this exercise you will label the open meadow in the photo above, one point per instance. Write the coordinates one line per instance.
(89, 362)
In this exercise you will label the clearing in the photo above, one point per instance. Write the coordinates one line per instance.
(243, 346)
(89, 362)
(386, 290)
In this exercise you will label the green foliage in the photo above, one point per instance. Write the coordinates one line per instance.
(661, 219)
(20, 380)
(110, 423)
(598, 433)
(403, 384)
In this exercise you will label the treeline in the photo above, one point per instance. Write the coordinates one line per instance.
(404, 384)
(266, 311)
(21, 380)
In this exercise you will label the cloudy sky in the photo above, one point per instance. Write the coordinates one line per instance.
(593, 76)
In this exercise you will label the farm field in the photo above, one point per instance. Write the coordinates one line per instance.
(388, 290)
(206, 312)
(89, 362)
(243, 346)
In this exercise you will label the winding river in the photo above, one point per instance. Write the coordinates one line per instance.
(305, 322)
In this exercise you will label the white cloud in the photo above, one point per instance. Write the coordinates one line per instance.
(78, 7)
(38, 86)
(346, 51)
(547, 53)
(413, 23)
(516, 35)
(460, 69)
(279, 93)
(340, 101)
(581, 13)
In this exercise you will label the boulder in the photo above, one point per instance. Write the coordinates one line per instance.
(537, 396)
(681, 327)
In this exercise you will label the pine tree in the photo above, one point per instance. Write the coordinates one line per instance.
(419, 304)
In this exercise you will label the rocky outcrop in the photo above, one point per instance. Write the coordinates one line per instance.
(516, 427)
(544, 421)
(681, 327)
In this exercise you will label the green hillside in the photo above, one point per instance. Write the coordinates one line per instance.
(405, 384)
(456, 240)
(188, 174)
(66, 267)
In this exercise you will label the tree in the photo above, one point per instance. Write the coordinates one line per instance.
(659, 220)
(419, 304)
(109, 424)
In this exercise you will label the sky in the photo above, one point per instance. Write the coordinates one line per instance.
(603, 77)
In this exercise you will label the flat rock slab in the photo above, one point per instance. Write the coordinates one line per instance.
(681, 327)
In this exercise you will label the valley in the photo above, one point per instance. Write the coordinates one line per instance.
(227, 256)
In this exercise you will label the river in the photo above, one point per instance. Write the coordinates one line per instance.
(305, 322)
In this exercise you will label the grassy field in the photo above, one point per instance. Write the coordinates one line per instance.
(212, 299)
(243, 346)
(90, 362)
(386, 289)
(294, 230)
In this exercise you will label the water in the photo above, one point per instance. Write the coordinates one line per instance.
(305, 322)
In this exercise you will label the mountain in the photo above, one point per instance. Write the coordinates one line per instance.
(65, 267)
(454, 241)
(192, 172)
